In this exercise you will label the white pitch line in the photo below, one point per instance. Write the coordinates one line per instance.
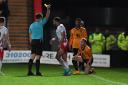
(106, 80)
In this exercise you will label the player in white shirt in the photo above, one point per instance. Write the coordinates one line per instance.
(4, 38)
(61, 37)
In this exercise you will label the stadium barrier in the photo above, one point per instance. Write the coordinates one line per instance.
(49, 58)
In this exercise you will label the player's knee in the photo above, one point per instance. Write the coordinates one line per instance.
(38, 57)
(61, 51)
(33, 56)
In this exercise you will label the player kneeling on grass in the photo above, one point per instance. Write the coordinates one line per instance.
(4, 38)
(84, 54)
(61, 55)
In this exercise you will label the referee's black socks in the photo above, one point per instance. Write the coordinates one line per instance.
(37, 66)
(30, 63)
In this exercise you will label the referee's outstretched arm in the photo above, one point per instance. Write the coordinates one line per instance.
(48, 11)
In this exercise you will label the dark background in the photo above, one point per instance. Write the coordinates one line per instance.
(94, 12)
(105, 14)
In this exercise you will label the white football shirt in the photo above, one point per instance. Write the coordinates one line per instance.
(60, 29)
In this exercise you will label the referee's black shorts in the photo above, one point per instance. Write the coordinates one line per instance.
(36, 46)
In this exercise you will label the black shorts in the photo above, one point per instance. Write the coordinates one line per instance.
(5, 48)
(36, 47)
(75, 51)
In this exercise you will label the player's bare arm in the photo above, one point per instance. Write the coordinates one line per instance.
(48, 11)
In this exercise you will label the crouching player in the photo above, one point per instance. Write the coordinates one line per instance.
(84, 55)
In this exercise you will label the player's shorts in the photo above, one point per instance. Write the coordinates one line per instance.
(75, 51)
(1, 54)
(64, 46)
(37, 47)
(87, 60)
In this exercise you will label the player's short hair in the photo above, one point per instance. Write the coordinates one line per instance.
(1, 20)
(57, 19)
(78, 19)
(38, 16)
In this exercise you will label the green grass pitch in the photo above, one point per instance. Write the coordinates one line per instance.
(15, 74)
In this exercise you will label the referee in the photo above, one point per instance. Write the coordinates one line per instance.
(36, 40)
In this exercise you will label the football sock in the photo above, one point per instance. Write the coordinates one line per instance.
(66, 66)
(37, 66)
(30, 65)
(75, 64)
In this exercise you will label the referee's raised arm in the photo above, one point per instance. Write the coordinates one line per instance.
(36, 41)
(48, 11)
